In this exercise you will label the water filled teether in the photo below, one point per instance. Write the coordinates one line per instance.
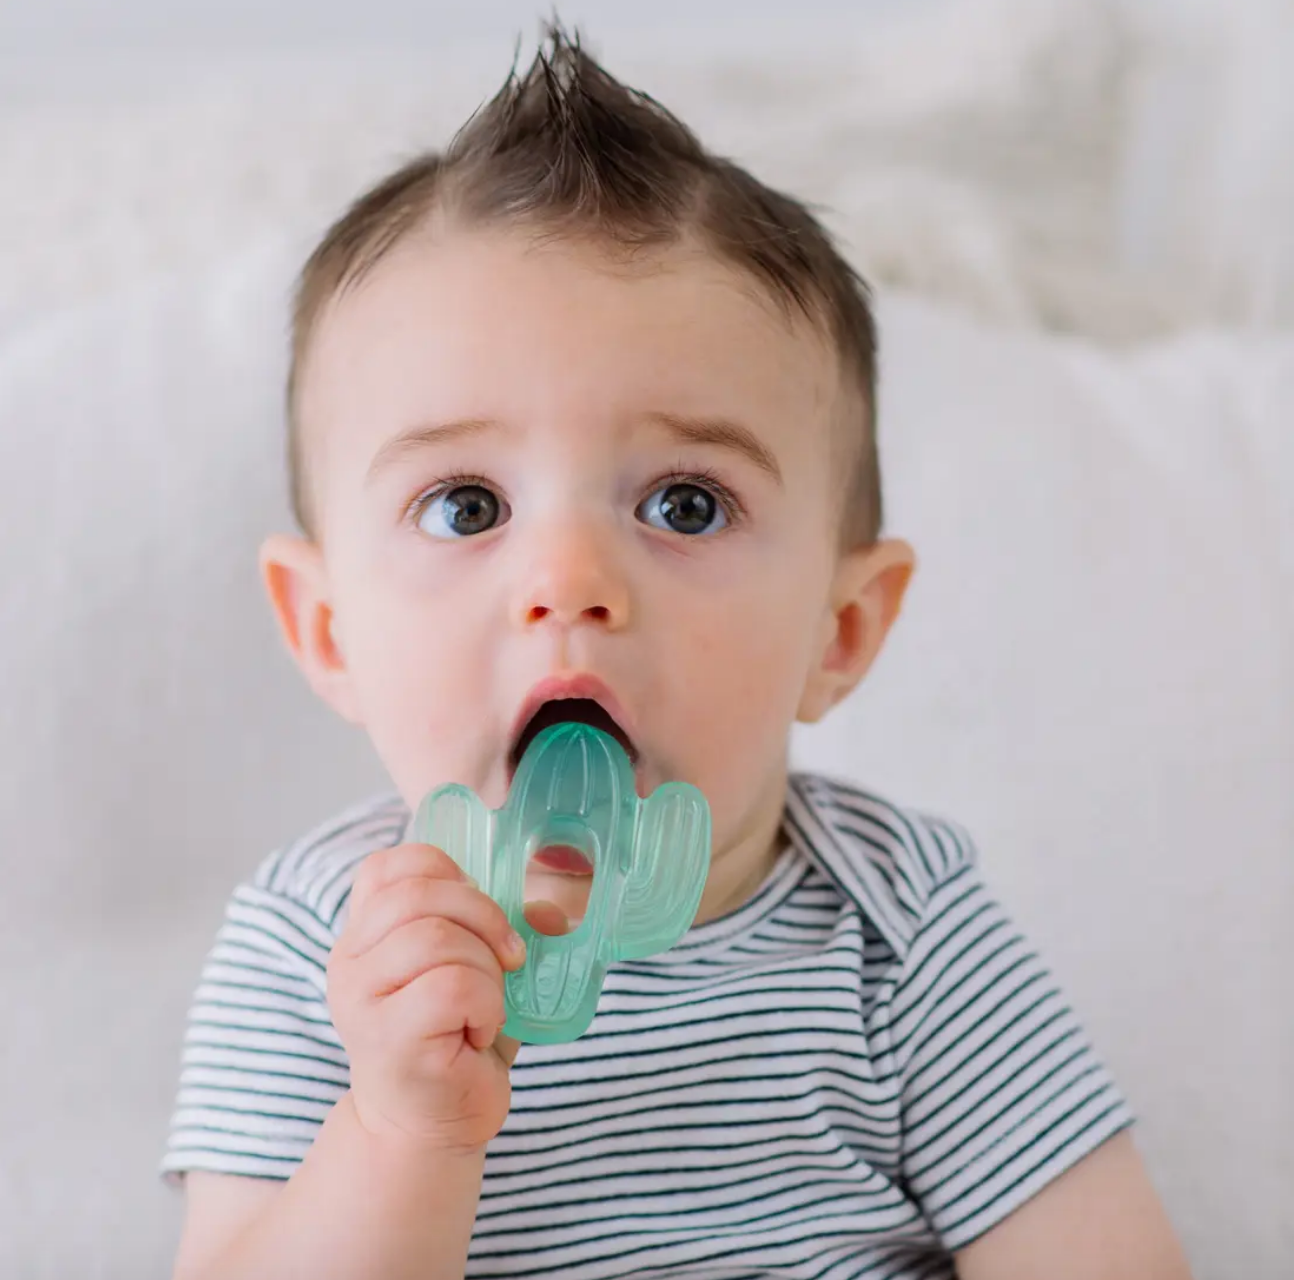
(575, 787)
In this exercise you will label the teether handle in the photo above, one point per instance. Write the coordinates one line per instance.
(456, 821)
(665, 881)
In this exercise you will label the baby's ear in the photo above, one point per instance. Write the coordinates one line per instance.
(296, 580)
(866, 596)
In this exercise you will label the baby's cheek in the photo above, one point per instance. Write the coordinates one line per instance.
(743, 691)
(423, 687)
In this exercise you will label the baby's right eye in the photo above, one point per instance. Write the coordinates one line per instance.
(461, 511)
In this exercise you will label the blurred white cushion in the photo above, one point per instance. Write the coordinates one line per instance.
(1036, 161)
(1095, 673)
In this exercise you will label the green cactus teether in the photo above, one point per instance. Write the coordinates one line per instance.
(575, 787)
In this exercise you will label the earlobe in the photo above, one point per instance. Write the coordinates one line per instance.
(296, 582)
(866, 597)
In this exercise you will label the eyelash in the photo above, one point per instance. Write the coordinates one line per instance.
(438, 489)
(701, 476)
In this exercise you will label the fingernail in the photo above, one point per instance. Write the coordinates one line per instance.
(516, 944)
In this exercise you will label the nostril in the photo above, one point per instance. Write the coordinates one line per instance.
(594, 613)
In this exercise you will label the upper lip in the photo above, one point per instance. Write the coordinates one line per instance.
(567, 685)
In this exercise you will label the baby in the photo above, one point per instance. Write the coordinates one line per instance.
(582, 428)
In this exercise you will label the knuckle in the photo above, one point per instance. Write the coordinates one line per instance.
(400, 862)
(374, 866)
(401, 902)
(441, 864)
(436, 934)
(426, 897)
(460, 986)
(426, 1003)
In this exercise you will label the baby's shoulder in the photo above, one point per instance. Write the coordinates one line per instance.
(890, 859)
(316, 871)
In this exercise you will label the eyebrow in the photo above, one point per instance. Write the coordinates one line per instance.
(417, 438)
(722, 433)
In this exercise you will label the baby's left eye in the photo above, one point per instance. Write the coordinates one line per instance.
(683, 507)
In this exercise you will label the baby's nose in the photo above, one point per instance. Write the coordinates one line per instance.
(574, 577)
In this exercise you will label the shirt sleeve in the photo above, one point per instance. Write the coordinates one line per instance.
(261, 1064)
(1001, 1089)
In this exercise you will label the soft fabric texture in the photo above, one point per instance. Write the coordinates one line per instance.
(1117, 168)
(1094, 673)
(858, 1071)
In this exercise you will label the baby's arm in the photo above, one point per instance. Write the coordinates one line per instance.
(1100, 1220)
(1016, 1139)
(390, 1185)
(358, 1207)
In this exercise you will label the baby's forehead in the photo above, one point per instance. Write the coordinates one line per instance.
(522, 327)
(549, 277)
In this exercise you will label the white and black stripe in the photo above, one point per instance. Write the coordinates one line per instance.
(858, 1071)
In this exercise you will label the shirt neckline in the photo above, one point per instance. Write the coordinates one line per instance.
(717, 935)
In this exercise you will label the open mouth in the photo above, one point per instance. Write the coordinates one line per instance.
(563, 710)
(573, 700)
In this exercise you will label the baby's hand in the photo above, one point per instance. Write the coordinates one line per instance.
(415, 986)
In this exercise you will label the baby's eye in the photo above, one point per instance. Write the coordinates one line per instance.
(461, 512)
(683, 507)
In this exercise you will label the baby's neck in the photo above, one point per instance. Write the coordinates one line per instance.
(737, 872)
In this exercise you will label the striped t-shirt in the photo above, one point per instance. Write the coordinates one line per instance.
(858, 1071)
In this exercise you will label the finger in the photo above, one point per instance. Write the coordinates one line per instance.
(547, 918)
(414, 948)
(447, 1000)
(385, 866)
(416, 897)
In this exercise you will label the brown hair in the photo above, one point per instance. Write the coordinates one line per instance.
(568, 149)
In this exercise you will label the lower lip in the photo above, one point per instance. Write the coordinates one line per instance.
(564, 860)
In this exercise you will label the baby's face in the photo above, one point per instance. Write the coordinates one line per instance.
(532, 463)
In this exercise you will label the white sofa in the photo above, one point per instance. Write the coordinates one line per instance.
(1095, 672)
